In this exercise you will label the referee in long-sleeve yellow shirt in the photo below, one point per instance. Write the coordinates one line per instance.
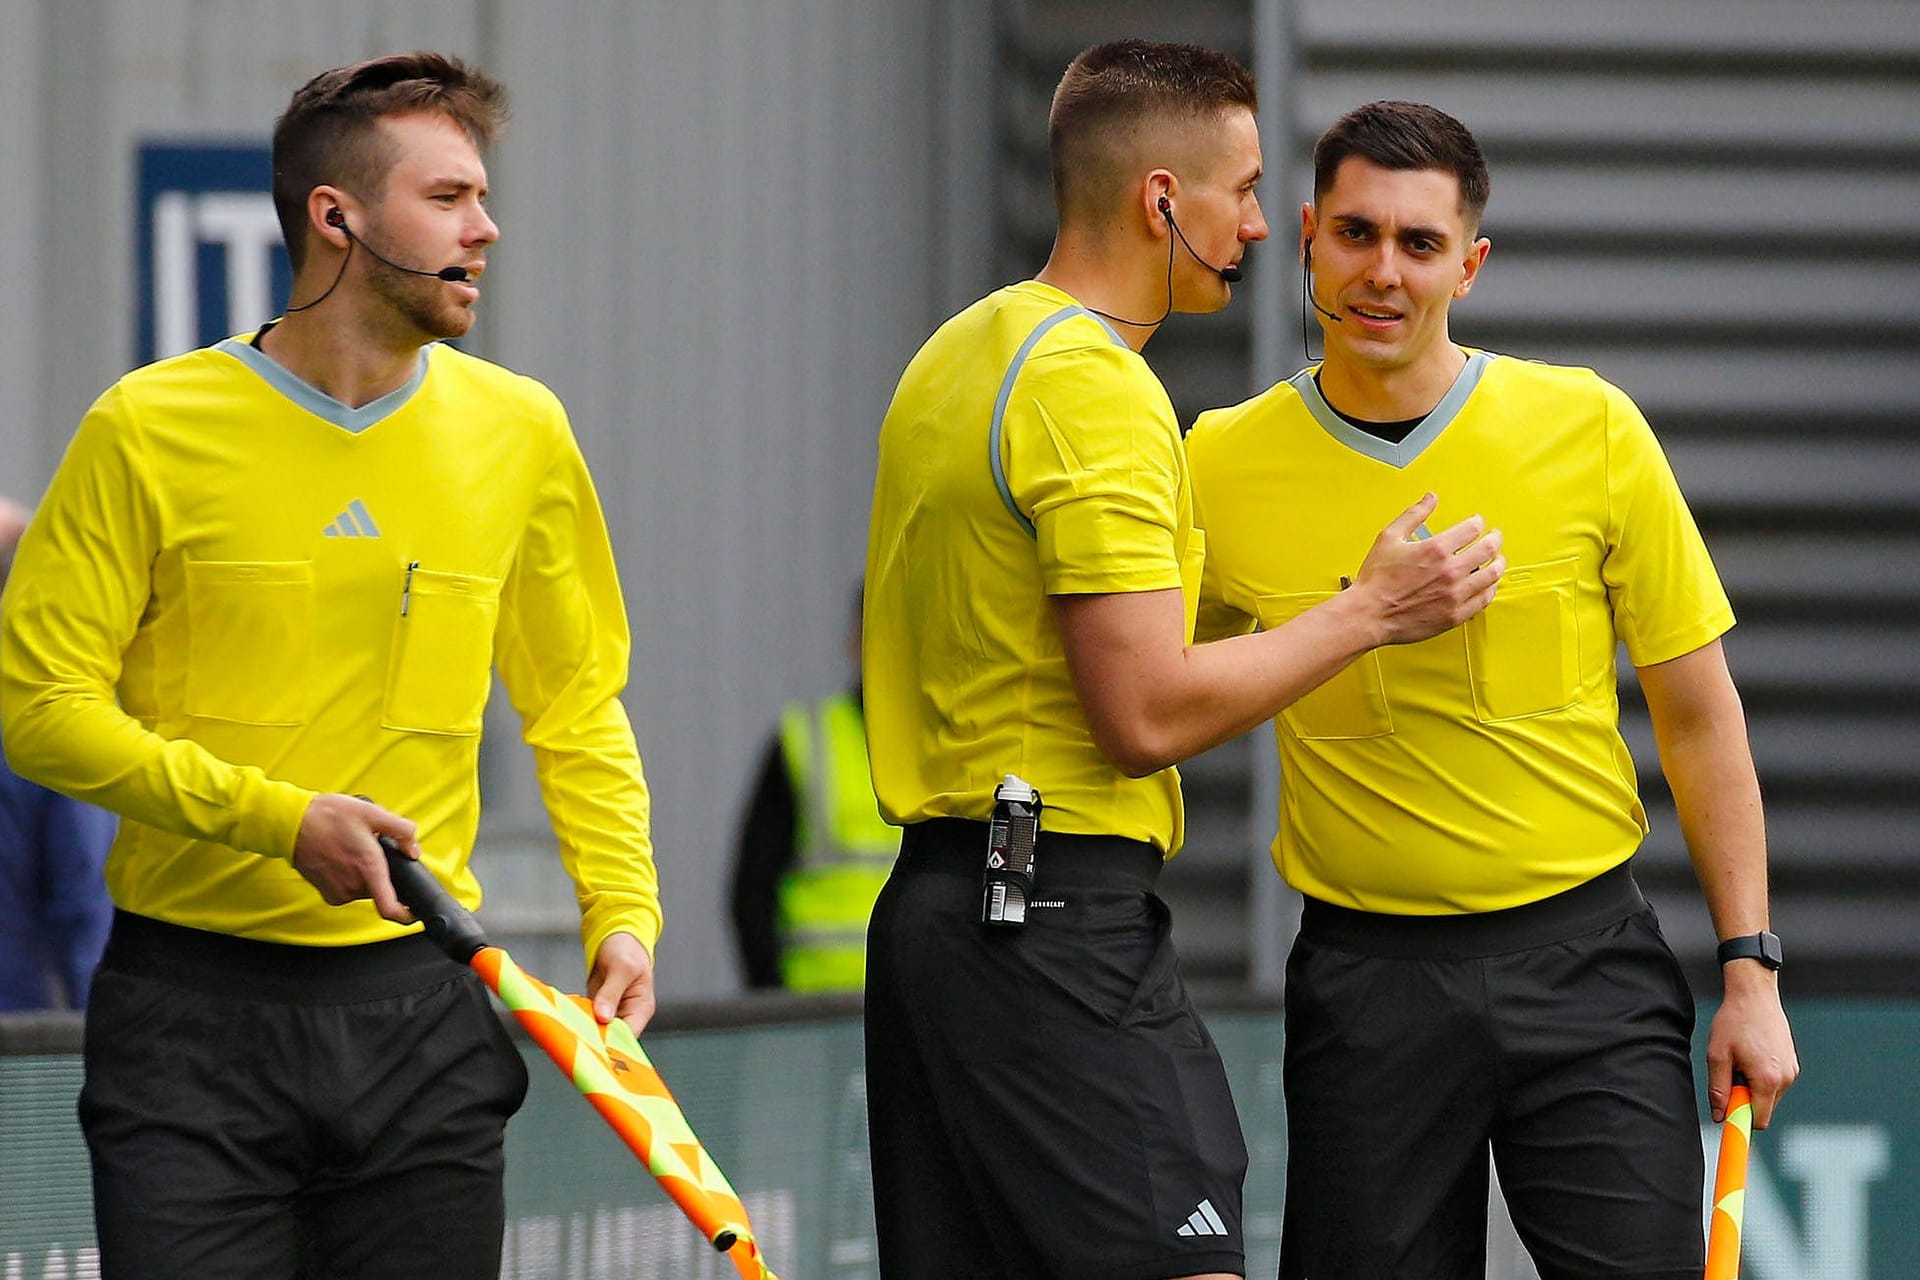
(274, 575)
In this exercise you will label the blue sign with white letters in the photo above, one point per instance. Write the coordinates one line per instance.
(209, 256)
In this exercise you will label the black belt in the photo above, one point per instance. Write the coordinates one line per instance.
(1607, 899)
(249, 969)
(958, 846)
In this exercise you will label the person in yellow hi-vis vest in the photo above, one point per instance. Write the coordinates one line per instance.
(813, 850)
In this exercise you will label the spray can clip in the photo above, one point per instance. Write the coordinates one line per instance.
(1007, 882)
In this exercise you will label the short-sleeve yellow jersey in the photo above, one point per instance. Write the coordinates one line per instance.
(1028, 452)
(1483, 768)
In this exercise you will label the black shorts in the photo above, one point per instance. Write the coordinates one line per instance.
(315, 1112)
(1558, 1034)
(1042, 1102)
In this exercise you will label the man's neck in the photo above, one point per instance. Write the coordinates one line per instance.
(1113, 284)
(1390, 395)
(341, 359)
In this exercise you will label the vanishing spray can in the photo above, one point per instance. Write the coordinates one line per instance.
(1007, 884)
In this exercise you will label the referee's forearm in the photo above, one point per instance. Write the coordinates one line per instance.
(1709, 768)
(1718, 801)
(1237, 684)
(1152, 700)
(84, 746)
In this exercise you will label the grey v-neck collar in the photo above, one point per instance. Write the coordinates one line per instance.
(317, 402)
(1417, 440)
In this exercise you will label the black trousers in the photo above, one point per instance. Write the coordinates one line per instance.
(255, 1110)
(1043, 1103)
(1558, 1035)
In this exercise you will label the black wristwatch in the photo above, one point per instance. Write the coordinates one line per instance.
(1762, 946)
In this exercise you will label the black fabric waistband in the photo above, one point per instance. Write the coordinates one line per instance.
(220, 963)
(1608, 898)
(958, 846)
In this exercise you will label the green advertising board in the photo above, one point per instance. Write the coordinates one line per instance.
(1834, 1193)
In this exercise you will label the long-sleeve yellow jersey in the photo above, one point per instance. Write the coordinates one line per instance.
(239, 593)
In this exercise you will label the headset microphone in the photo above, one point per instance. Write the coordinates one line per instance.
(1231, 273)
(1308, 300)
(1306, 284)
(335, 218)
(452, 275)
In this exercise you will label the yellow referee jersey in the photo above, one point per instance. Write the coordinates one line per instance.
(1482, 768)
(1028, 452)
(239, 593)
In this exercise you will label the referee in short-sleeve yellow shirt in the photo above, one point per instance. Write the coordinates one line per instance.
(1043, 1100)
(1476, 967)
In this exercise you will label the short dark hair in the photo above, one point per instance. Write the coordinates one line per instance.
(329, 132)
(1402, 136)
(1111, 87)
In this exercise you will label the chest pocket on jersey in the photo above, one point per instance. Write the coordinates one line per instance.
(442, 663)
(1523, 650)
(1353, 704)
(250, 641)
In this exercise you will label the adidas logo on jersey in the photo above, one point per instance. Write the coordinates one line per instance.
(1203, 1221)
(354, 522)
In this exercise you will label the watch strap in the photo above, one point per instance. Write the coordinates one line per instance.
(1763, 946)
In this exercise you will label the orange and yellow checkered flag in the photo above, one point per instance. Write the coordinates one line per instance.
(1730, 1185)
(606, 1063)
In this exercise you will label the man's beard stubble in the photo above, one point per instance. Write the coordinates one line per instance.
(419, 302)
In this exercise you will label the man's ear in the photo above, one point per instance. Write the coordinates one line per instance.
(327, 212)
(1470, 269)
(1160, 196)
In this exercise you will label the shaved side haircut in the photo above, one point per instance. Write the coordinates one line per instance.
(330, 135)
(1113, 94)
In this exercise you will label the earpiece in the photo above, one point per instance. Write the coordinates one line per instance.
(335, 218)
